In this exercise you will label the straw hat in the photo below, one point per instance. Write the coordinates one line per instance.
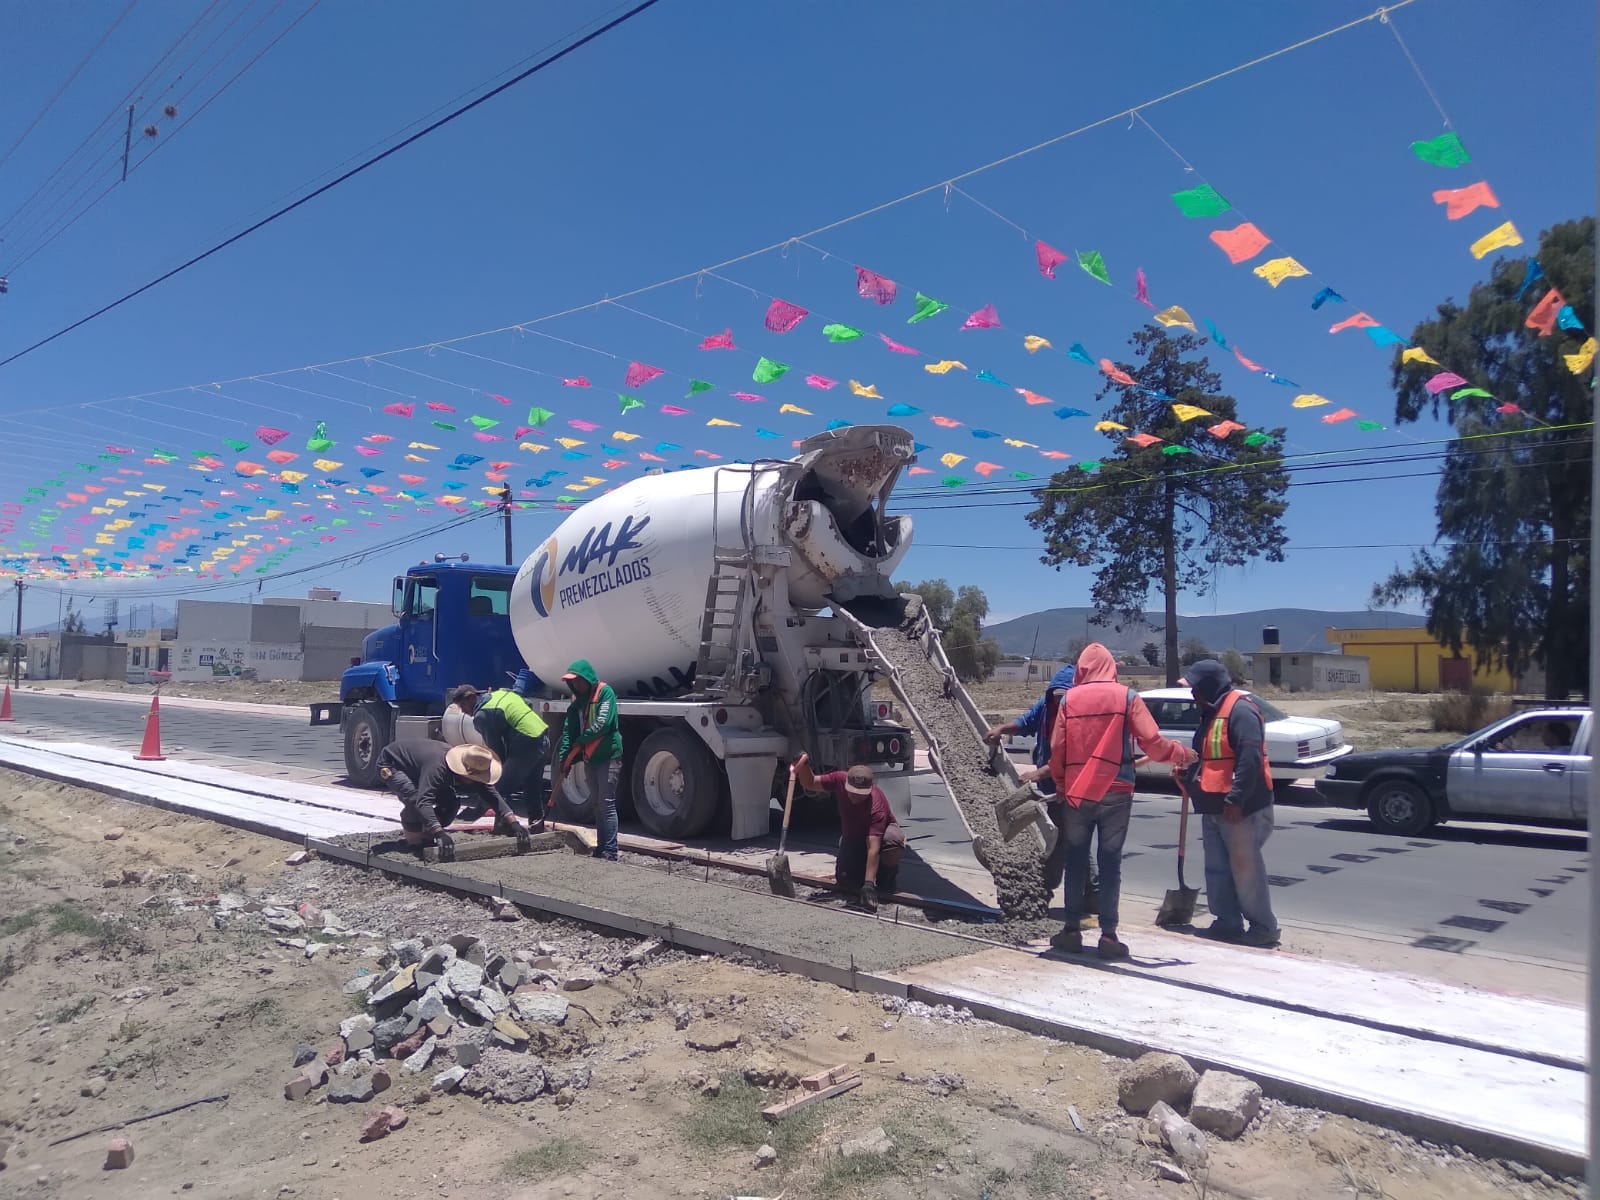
(474, 763)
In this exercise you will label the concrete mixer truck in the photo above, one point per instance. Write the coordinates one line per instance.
(726, 605)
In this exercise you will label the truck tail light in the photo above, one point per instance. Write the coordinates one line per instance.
(883, 712)
(894, 745)
(722, 716)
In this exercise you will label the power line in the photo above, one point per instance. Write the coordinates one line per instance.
(60, 91)
(350, 174)
(1290, 546)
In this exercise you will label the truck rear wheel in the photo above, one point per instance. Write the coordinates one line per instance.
(366, 733)
(677, 782)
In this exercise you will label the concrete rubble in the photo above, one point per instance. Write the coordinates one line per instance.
(119, 1153)
(1153, 1078)
(1225, 1104)
(1188, 1144)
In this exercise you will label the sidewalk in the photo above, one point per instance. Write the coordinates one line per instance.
(291, 712)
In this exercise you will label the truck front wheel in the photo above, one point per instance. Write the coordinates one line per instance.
(365, 735)
(677, 782)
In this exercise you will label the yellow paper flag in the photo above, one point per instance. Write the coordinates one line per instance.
(622, 435)
(532, 447)
(870, 390)
(1310, 400)
(327, 464)
(422, 446)
(1019, 444)
(1108, 427)
(415, 458)
(794, 408)
(944, 366)
(1188, 412)
(1277, 270)
(570, 443)
(1034, 342)
(720, 421)
(1497, 239)
(1416, 354)
(1579, 362)
(950, 460)
(1176, 316)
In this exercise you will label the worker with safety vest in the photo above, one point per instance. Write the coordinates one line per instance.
(590, 734)
(1232, 790)
(511, 728)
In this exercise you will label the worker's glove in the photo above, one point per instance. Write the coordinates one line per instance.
(524, 838)
(447, 847)
(869, 896)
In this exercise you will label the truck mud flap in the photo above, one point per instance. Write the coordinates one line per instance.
(327, 714)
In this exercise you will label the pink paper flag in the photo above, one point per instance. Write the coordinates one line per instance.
(580, 423)
(435, 406)
(783, 316)
(945, 422)
(986, 468)
(264, 433)
(749, 397)
(984, 318)
(1055, 454)
(369, 451)
(821, 381)
(872, 286)
(640, 373)
(1032, 397)
(1116, 374)
(719, 341)
(377, 437)
(1333, 418)
(500, 398)
(1141, 289)
(673, 410)
(1245, 362)
(489, 437)
(399, 410)
(896, 346)
(1443, 380)
(1507, 408)
(580, 381)
(1049, 259)
(1223, 428)
(1360, 321)
(1142, 440)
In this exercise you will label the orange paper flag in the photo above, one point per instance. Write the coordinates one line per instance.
(1544, 314)
(1242, 242)
(1116, 374)
(1360, 321)
(1458, 202)
(1143, 440)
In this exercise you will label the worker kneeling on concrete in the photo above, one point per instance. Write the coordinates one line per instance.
(870, 839)
(433, 780)
(590, 734)
(510, 727)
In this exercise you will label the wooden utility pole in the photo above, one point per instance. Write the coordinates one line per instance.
(127, 144)
(505, 519)
(16, 645)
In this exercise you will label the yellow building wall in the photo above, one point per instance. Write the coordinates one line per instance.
(1407, 660)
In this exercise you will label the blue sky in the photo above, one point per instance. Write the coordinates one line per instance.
(700, 132)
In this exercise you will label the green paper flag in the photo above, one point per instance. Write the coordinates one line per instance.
(484, 422)
(1445, 150)
(696, 386)
(1090, 465)
(538, 416)
(1256, 439)
(319, 441)
(629, 403)
(767, 370)
(1171, 450)
(1095, 265)
(1369, 426)
(444, 425)
(841, 333)
(1468, 392)
(236, 446)
(1203, 201)
(927, 307)
(1021, 475)
(952, 481)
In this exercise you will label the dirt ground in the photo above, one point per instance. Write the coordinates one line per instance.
(134, 976)
(249, 691)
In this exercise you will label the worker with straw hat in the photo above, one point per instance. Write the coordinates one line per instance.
(432, 781)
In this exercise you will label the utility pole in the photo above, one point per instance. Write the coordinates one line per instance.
(505, 519)
(127, 144)
(16, 645)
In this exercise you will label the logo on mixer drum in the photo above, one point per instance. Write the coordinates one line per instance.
(542, 583)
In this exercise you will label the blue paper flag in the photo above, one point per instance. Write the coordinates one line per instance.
(835, 425)
(1064, 413)
(1325, 295)
(663, 447)
(1076, 351)
(1382, 335)
(903, 410)
(1280, 380)
(990, 377)
(1533, 274)
(919, 447)
(984, 433)
(1568, 319)
(371, 472)
(767, 433)
(1216, 335)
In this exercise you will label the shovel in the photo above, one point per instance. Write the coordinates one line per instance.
(1177, 907)
(779, 880)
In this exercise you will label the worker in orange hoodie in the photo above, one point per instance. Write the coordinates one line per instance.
(1091, 760)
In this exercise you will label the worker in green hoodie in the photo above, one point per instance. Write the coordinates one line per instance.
(589, 734)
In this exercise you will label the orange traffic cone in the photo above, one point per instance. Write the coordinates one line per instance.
(5, 705)
(151, 750)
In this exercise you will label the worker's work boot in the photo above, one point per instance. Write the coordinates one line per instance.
(1110, 948)
(1068, 941)
(1266, 939)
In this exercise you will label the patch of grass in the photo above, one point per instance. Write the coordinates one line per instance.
(732, 1118)
(130, 1029)
(554, 1156)
(919, 1138)
(1463, 712)
(21, 922)
(8, 966)
(71, 920)
(73, 1008)
(262, 1008)
(1048, 1173)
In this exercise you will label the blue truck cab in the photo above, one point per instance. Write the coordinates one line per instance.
(454, 627)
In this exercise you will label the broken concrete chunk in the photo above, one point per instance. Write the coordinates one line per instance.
(468, 946)
(298, 1088)
(463, 978)
(403, 983)
(508, 1033)
(642, 951)
(874, 1141)
(304, 1053)
(1188, 1144)
(355, 1088)
(407, 951)
(1224, 1104)
(493, 999)
(409, 1045)
(356, 1032)
(713, 1040)
(298, 859)
(540, 1008)
(449, 1079)
(467, 1054)
(507, 911)
(424, 1055)
(576, 1078)
(765, 1157)
(475, 1007)
(389, 1031)
(1153, 1078)
(119, 1152)
(431, 1005)
(579, 982)
(510, 975)
(762, 1070)
(1169, 1172)
(361, 985)
(441, 1026)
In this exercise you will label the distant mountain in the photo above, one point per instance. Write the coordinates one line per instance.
(130, 616)
(1055, 629)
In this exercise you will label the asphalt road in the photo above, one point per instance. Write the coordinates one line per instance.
(1461, 889)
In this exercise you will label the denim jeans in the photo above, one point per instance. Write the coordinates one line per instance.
(1236, 874)
(603, 779)
(524, 774)
(1111, 817)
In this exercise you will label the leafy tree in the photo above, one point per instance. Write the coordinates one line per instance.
(1236, 665)
(1149, 515)
(1513, 583)
(1192, 652)
(958, 616)
(1152, 654)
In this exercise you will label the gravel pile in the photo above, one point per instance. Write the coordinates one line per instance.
(1016, 866)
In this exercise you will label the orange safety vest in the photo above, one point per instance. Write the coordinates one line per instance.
(1216, 752)
(582, 749)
